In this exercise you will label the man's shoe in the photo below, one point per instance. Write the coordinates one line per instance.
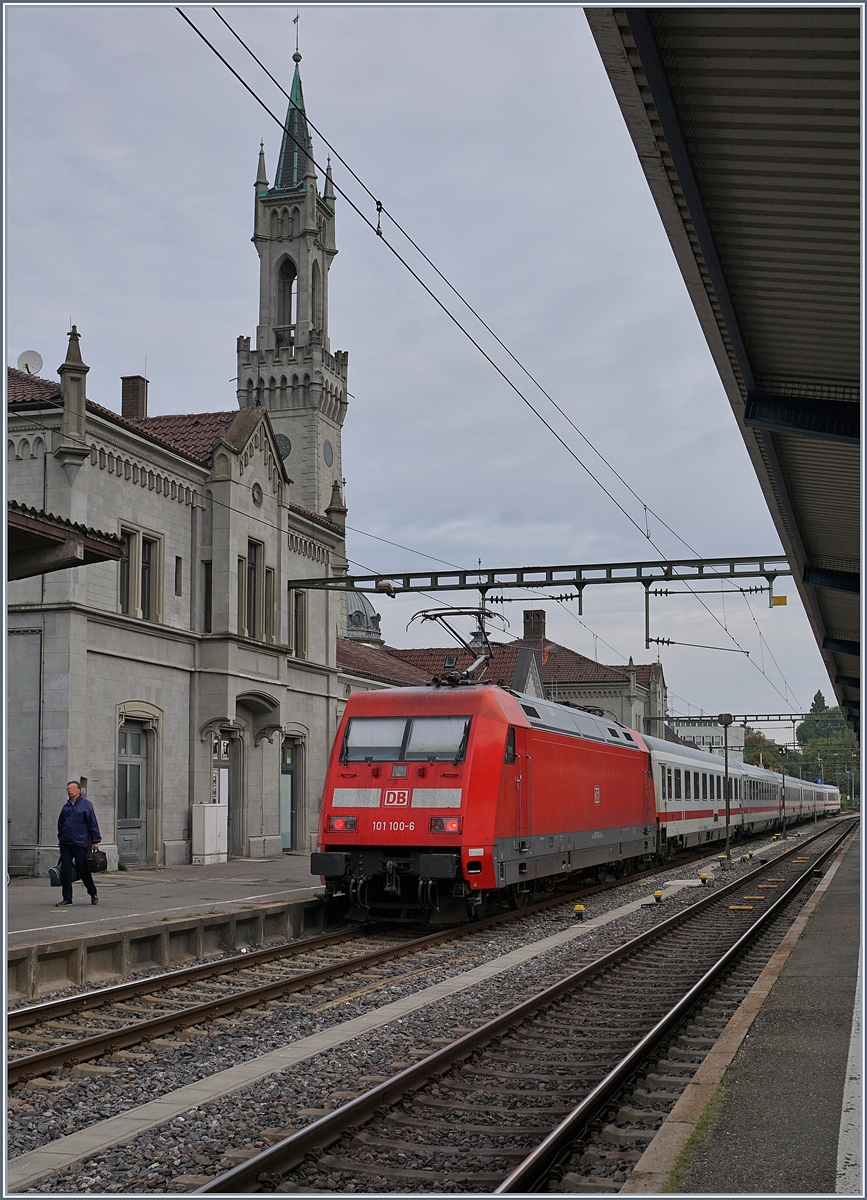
(63, 904)
(94, 899)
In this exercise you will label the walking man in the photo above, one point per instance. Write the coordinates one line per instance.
(77, 832)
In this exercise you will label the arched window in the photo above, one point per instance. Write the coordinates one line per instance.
(287, 293)
(275, 223)
(287, 223)
(316, 298)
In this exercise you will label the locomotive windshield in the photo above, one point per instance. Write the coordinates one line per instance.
(402, 739)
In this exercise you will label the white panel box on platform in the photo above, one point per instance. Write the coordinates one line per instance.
(210, 825)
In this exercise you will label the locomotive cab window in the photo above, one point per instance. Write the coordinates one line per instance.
(510, 746)
(402, 739)
(437, 738)
(376, 738)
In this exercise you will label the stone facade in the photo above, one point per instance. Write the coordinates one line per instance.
(193, 670)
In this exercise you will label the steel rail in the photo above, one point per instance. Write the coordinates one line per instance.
(44, 1061)
(287, 1154)
(30, 1065)
(529, 1175)
(49, 1010)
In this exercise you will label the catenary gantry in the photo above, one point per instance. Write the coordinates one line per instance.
(747, 125)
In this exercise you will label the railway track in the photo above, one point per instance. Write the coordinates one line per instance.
(44, 1037)
(504, 1106)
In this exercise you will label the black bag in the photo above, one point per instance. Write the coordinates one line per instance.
(54, 874)
(96, 861)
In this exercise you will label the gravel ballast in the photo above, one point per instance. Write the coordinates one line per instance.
(201, 1142)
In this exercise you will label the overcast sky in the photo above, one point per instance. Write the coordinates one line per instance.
(492, 134)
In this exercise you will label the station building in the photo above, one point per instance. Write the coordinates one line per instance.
(707, 734)
(192, 670)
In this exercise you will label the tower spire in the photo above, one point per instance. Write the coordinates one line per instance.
(292, 371)
(292, 166)
(262, 174)
(328, 194)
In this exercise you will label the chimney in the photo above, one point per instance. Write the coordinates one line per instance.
(534, 626)
(134, 397)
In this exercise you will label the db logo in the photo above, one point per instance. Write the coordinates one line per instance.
(396, 798)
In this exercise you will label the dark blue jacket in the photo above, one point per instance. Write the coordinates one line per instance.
(76, 825)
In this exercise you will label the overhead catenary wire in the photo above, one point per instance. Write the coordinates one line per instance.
(380, 209)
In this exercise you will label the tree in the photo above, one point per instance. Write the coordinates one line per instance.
(823, 724)
(818, 705)
(759, 751)
(827, 751)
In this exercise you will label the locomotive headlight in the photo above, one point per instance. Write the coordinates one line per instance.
(342, 824)
(445, 825)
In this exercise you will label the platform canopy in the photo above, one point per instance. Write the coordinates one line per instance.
(747, 125)
(37, 542)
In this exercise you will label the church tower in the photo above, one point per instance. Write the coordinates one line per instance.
(292, 371)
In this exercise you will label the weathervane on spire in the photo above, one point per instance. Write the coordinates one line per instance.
(295, 23)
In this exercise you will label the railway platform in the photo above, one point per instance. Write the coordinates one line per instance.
(775, 1108)
(160, 917)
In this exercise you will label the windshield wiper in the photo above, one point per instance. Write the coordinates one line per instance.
(462, 748)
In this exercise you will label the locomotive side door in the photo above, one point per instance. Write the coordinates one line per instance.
(523, 783)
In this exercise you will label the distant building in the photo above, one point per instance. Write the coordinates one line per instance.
(705, 733)
(634, 695)
(193, 669)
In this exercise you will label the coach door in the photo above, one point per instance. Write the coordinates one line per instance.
(649, 805)
(131, 792)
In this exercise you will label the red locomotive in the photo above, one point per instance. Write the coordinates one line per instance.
(439, 799)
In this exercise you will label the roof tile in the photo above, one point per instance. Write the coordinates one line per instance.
(359, 659)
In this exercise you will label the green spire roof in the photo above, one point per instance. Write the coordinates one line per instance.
(292, 166)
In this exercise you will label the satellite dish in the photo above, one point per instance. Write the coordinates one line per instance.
(30, 361)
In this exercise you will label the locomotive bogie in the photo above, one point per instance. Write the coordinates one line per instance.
(438, 799)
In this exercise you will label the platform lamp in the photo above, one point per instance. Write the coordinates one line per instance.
(725, 719)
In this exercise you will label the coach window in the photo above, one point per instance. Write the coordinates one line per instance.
(687, 790)
(695, 786)
(704, 785)
(669, 793)
(677, 792)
